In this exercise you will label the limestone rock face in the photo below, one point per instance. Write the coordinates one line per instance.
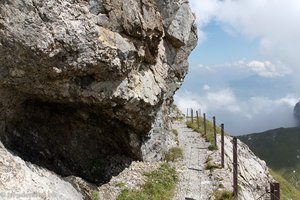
(21, 180)
(253, 174)
(86, 86)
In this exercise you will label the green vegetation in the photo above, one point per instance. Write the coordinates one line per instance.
(287, 190)
(209, 130)
(223, 195)
(160, 185)
(95, 195)
(179, 118)
(208, 159)
(175, 132)
(120, 184)
(173, 154)
(212, 147)
(281, 151)
(210, 166)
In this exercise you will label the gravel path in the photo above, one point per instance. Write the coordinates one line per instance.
(196, 183)
(194, 180)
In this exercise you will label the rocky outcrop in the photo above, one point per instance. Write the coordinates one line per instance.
(22, 180)
(297, 114)
(85, 86)
(253, 174)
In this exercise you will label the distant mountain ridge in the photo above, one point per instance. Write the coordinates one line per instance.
(280, 148)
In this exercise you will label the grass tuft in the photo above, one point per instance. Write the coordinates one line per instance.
(223, 195)
(173, 154)
(212, 147)
(175, 132)
(95, 195)
(211, 167)
(160, 185)
(120, 184)
(287, 189)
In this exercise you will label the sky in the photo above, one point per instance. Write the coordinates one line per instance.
(245, 67)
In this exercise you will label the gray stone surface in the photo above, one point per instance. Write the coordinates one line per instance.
(131, 178)
(22, 180)
(198, 183)
(253, 174)
(86, 85)
(194, 180)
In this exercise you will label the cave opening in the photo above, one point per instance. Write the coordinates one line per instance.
(79, 140)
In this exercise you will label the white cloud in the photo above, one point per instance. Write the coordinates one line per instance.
(289, 100)
(208, 10)
(268, 69)
(220, 98)
(241, 116)
(274, 23)
(265, 68)
(189, 100)
(206, 87)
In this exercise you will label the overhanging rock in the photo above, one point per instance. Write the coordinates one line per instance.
(85, 85)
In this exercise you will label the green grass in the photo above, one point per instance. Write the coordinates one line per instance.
(212, 147)
(95, 195)
(120, 184)
(223, 195)
(280, 149)
(209, 130)
(179, 118)
(211, 167)
(160, 185)
(175, 132)
(173, 154)
(287, 190)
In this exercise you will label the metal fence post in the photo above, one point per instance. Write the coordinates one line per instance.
(222, 145)
(198, 123)
(192, 112)
(272, 191)
(215, 132)
(275, 191)
(204, 124)
(235, 169)
(187, 114)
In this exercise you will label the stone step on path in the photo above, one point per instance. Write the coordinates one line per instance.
(194, 182)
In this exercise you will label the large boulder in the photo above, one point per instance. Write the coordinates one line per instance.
(85, 86)
(21, 180)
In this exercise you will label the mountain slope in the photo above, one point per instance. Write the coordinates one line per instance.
(287, 189)
(280, 148)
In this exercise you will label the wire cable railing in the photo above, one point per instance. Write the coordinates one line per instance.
(274, 191)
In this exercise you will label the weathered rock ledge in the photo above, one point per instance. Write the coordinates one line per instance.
(85, 86)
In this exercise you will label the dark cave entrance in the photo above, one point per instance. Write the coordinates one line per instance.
(78, 140)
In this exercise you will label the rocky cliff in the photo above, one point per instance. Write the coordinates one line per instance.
(85, 86)
(297, 114)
